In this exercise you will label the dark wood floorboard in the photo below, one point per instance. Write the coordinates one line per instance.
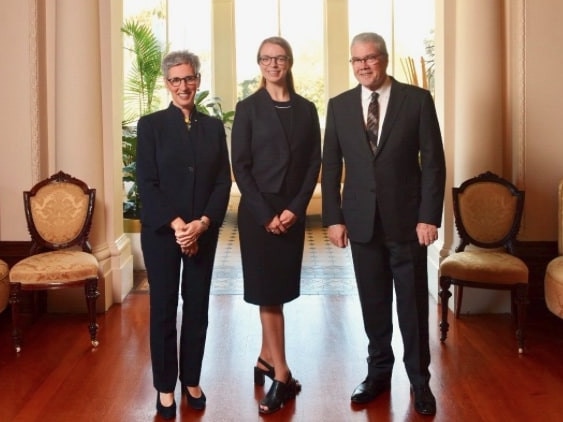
(477, 374)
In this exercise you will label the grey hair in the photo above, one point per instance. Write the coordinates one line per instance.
(371, 37)
(175, 58)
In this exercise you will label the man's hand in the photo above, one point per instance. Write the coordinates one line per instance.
(427, 233)
(338, 235)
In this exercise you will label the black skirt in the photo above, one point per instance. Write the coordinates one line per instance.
(271, 264)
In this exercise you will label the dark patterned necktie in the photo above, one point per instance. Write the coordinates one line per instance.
(372, 123)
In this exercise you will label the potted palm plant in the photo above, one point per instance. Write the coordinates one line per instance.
(140, 97)
(140, 90)
(212, 107)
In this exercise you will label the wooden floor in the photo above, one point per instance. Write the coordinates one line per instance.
(477, 374)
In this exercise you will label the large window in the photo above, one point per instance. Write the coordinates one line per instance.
(189, 28)
(408, 29)
(406, 25)
(173, 23)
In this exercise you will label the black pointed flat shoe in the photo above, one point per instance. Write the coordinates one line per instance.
(259, 373)
(166, 412)
(197, 403)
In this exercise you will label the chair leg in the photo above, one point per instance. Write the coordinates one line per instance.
(15, 298)
(41, 302)
(458, 300)
(444, 294)
(521, 305)
(92, 293)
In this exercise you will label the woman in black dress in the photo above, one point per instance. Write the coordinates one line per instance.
(276, 155)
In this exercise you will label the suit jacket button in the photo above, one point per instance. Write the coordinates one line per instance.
(190, 169)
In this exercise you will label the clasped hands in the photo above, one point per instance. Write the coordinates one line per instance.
(280, 224)
(187, 235)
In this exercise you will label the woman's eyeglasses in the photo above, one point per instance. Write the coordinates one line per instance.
(266, 60)
(189, 80)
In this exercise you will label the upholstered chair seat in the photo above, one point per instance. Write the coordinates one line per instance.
(61, 267)
(4, 288)
(553, 282)
(485, 267)
(554, 286)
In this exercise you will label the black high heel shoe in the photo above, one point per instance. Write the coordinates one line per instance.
(259, 373)
(167, 412)
(279, 393)
(197, 403)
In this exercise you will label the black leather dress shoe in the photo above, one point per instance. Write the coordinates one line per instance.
(424, 401)
(369, 390)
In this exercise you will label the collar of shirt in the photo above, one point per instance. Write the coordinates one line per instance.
(384, 91)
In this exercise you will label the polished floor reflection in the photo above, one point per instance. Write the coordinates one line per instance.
(477, 375)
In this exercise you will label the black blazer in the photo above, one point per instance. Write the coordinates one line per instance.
(179, 176)
(264, 158)
(404, 180)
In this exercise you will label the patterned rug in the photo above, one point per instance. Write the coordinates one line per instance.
(326, 269)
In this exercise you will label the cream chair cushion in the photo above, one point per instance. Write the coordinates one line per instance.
(485, 267)
(554, 286)
(553, 283)
(63, 267)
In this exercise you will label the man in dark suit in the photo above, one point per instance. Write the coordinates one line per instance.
(389, 209)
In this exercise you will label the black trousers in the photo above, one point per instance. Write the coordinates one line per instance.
(379, 265)
(167, 270)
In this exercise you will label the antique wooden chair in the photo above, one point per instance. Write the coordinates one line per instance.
(553, 282)
(487, 212)
(59, 216)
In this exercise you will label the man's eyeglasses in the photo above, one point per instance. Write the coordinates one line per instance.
(371, 59)
(266, 60)
(189, 80)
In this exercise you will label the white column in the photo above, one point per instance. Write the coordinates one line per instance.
(224, 52)
(479, 88)
(479, 116)
(337, 47)
(84, 92)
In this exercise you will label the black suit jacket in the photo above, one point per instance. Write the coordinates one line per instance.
(404, 180)
(264, 158)
(178, 176)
